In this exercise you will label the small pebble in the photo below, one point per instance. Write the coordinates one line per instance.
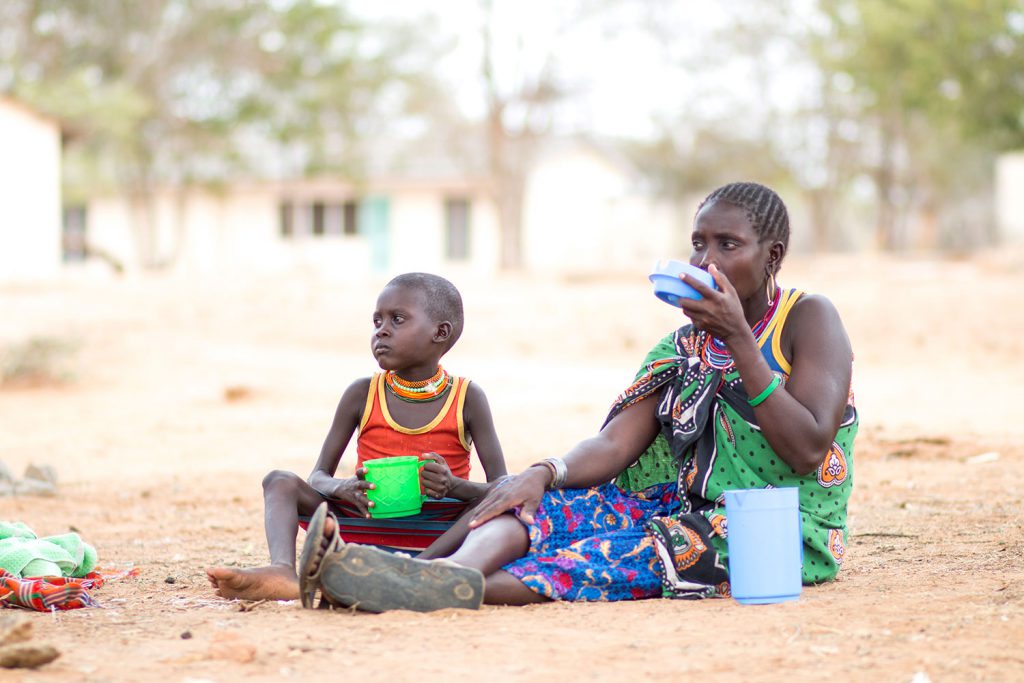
(169, 579)
(186, 635)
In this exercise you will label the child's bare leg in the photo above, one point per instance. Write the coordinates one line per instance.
(451, 540)
(285, 497)
(493, 545)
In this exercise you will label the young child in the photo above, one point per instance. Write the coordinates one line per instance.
(413, 407)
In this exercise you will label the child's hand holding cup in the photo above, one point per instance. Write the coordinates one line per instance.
(396, 486)
(436, 478)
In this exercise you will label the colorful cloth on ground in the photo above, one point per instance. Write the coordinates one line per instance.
(46, 594)
(710, 443)
(412, 533)
(24, 556)
(381, 436)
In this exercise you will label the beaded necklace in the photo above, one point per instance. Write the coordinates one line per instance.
(715, 353)
(420, 391)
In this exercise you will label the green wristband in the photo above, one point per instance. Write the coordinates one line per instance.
(760, 398)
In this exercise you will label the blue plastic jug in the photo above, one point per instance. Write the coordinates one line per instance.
(765, 546)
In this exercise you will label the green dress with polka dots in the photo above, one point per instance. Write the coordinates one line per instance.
(707, 420)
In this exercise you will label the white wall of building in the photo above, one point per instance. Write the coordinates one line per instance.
(30, 197)
(418, 232)
(585, 214)
(240, 229)
(1010, 197)
(212, 232)
(582, 213)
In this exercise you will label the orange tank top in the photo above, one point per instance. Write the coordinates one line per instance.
(380, 436)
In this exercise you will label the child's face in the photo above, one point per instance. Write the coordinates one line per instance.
(403, 333)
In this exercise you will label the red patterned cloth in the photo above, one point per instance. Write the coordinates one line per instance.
(49, 593)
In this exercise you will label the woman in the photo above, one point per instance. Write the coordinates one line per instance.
(754, 393)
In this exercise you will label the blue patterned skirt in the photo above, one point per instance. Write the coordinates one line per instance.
(592, 544)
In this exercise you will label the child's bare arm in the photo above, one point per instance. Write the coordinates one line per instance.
(346, 421)
(480, 423)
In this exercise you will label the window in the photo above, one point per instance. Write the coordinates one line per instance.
(350, 221)
(456, 221)
(287, 219)
(73, 241)
(318, 218)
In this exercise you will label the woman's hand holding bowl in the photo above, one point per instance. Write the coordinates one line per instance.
(719, 311)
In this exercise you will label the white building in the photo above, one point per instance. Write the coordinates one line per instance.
(585, 210)
(1010, 197)
(30, 196)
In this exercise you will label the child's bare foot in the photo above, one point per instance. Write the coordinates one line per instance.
(273, 582)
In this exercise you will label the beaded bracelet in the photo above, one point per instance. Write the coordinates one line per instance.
(760, 398)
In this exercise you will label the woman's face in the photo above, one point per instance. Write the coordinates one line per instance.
(724, 236)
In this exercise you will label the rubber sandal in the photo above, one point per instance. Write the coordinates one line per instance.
(309, 578)
(373, 580)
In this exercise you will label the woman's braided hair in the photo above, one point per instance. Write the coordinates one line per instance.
(765, 209)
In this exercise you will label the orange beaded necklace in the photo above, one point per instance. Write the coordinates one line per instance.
(419, 391)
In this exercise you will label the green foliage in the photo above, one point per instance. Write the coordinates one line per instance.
(40, 360)
(178, 92)
(958, 63)
(909, 103)
(934, 90)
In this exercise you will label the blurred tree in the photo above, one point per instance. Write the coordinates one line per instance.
(731, 125)
(518, 113)
(172, 93)
(911, 99)
(935, 89)
(524, 86)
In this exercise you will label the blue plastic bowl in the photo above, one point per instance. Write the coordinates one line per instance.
(670, 289)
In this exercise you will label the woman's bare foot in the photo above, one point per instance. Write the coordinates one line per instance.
(273, 582)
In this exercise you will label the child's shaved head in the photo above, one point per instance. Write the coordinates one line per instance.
(442, 299)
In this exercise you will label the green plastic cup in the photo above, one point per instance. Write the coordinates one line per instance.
(397, 481)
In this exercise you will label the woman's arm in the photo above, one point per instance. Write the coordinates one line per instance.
(591, 462)
(800, 419)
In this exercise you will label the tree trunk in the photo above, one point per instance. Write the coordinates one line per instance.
(143, 222)
(507, 188)
(510, 221)
(884, 177)
(821, 218)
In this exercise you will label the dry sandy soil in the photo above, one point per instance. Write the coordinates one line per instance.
(186, 390)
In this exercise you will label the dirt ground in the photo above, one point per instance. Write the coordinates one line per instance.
(185, 391)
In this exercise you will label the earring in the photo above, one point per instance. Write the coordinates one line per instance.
(771, 287)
